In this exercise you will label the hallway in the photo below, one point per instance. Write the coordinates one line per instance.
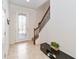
(26, 50)
(41, 21)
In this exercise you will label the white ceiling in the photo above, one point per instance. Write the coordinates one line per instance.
(32, 4)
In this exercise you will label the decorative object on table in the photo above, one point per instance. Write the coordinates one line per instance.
(55, 46)
(46, 49)
(8, 21)
(50, 52)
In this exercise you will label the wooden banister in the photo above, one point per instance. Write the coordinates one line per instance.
(42, 18)
(37, 30)
(44, 15)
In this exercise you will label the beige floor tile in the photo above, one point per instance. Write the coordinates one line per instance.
(26, 51)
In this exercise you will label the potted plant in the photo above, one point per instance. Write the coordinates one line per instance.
(55, 46)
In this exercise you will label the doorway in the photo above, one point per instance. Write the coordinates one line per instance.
(22, 32)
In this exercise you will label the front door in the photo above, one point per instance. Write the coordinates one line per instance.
(22, 33)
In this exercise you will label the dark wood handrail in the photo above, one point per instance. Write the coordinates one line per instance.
(35, 35)
(36, 28)
(42, 18)
(44, 15)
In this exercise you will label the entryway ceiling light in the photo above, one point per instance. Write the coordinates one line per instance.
(28, 0)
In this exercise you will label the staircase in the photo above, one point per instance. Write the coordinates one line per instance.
(41, 24)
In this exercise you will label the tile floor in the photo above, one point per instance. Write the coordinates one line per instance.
(26, 50)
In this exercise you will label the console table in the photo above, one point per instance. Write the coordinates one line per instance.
(52, 54)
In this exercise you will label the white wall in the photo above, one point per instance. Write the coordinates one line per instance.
(5, 41)
(31, 17)
(61, 26)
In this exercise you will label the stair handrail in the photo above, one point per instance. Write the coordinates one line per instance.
(42, 18)
(40, 24)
